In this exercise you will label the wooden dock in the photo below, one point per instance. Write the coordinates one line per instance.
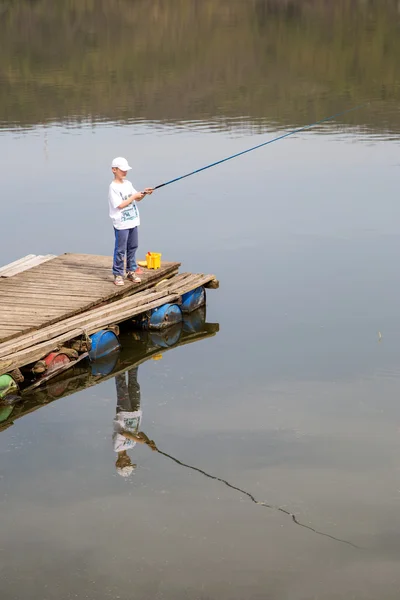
(61, 298)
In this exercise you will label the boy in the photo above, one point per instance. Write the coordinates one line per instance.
(127, 421)
(122, 198)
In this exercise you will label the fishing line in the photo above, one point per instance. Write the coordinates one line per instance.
(280, 137)
(280, 509)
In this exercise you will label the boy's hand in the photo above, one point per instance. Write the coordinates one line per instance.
(148, 190)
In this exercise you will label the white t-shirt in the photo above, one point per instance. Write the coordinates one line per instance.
(128, 217)
(125, 421)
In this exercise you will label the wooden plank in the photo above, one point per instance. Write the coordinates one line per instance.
(8, 334)
(50, 295)
(71, 288)
(111, 313)
(85, 273)
(190, 283)
(192, 278)
(85, 260)
(6, 308)
(72, 258)
(81, 268)
(166, 282)
(42, 283)
(99, 292)
(93, 266)
(22, 322)
(92, 318)
(26, 265)
(39, 288)
(138, 299)
(62, 294)
(11, 311)
(68, 324)
(63, 275)
(213, 284)
(13, 315)
(87, 264)
(102, 262)
(45, 280)
(52, 299)
(60, 302)
(16, 263)
(29, 320)
(29, 355)
(25, 293)
(28, 323)
(29, 293)
(67, 314)
(57, 261)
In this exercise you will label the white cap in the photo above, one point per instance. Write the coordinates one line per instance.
(120, 163)
(125, 471)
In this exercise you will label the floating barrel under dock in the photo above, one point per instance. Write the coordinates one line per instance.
(57, 310)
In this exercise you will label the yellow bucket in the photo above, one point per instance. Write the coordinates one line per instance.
(153, 260)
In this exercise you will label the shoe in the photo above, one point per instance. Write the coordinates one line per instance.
(131, 275)
(118, 280)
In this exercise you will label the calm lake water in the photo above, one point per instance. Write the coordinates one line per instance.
(291, 393)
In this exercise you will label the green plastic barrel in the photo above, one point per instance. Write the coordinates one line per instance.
(7, 386)
(5, 412)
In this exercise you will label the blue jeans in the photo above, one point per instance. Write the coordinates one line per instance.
(128, 396)
(126, 243)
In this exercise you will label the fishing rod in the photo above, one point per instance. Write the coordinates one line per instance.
(280, 137)
(142, 438)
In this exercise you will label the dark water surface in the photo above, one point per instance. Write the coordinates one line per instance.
(296, 399)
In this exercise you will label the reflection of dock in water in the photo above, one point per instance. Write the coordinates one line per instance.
(136, 348)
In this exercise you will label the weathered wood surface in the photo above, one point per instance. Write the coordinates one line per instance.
(32, 346)
(16, 263)
(62, 287)
(25, 263)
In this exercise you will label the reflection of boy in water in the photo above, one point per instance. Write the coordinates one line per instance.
(127, 421)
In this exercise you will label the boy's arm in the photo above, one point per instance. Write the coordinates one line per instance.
(146, 192)
(133, 436)
(138, 196)
(140, 437)
(116, 199)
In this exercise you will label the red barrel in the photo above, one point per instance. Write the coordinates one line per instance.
(55, 361)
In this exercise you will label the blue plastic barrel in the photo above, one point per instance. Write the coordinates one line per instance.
(165, 338)
(104, 366)
(165, 316)
(103, 343)
(194, 321)
(193, 299)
